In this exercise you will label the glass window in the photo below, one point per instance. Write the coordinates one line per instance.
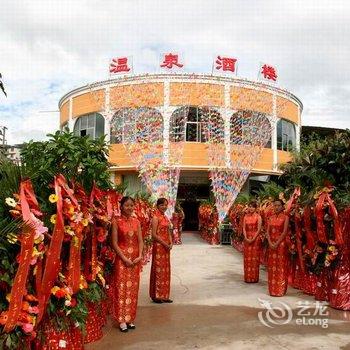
(286, 135)
(91, 124)
(197, 124)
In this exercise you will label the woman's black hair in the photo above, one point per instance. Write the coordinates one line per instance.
(253, 204)
(125, 199)
(161, 201)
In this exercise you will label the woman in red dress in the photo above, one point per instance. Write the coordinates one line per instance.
(128, 243)
(177, 220)
(277, 264)
(162, 244)
(252, 243)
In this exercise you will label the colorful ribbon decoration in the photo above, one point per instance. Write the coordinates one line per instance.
(29, 205)
(325, 199)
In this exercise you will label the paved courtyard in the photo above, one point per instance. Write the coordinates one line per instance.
(214, 309)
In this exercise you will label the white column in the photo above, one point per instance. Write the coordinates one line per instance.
(298, 130)
(227, 117)
(70, 120)
(107, 115)
(166, 120)
(274, 133)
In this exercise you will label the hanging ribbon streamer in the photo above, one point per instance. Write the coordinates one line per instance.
(159, 167)
(231, 161)
(52, 264)
(29, 205)
(323, 201)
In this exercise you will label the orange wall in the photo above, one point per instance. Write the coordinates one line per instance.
(196, 94)
(243, 98)
(118, 156)
(88, 103)
(283, 157)
(195, 154)
(287, 109)
(266, 160)
(64, 113)
(137, 95)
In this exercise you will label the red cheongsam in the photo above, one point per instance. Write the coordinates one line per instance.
(160, 270)
(126, 279)
(277, 264)
(252, 250)
(176, 221)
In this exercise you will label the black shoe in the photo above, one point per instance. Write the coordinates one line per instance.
(131, 326)
(157, 301)
(123, 329)
(167, 301)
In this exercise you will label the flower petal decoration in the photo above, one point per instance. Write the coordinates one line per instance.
(53, 218)
(10, 202)
(53, 198)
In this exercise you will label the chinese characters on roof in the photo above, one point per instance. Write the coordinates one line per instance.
(173, 62)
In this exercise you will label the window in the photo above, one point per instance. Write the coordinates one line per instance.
(197, 126)
(64, 126)
(286, 135)
(178, 124)
(91, 124)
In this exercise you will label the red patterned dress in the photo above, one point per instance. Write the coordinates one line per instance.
(126, 279)
(277, 264)
(177, 222)
(252, 251)
(160, 270)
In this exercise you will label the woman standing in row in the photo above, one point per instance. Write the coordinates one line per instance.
(128, 243)
(162, 244)
(252, 223)
(277, 264)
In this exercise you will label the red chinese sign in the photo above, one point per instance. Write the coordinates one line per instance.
(268, 72)
(120, 65)
(226, 64)
(170, 61)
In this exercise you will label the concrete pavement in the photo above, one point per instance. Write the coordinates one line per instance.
(214, 309)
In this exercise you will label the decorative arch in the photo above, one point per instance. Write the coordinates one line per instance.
(250, 128)
(117, 126)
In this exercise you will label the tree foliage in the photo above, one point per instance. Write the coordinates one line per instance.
(321, 162)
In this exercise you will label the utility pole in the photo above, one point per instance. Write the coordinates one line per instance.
(3, 140)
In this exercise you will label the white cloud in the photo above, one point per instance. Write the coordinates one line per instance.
(49, 47)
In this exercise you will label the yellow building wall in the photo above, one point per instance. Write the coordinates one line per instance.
(195, 155)
(137, 95)
(283, 157)
(196, 94)
(249, 99)
(88, 103)
(64, 113)
(266, 160)
(118, 156)
(287, 110)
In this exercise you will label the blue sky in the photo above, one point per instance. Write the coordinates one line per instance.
(49, 47)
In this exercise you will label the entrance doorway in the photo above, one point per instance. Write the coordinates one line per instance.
(190, 209)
